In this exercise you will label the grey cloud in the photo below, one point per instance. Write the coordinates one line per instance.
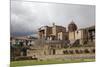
(22, 19)
(82, 15)
(27, 17)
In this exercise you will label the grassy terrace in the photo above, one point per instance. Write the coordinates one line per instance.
(49, 61)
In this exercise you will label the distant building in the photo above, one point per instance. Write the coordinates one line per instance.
(53, 33)
(19, 45)
(72, 26)
(73, 34)
(84, 35)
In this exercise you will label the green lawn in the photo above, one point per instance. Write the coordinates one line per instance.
(34, 62)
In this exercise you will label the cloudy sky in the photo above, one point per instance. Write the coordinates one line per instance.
(27, 17)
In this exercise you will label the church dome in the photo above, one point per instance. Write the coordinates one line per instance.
(72, 27)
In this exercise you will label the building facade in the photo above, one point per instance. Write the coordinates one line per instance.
(73, 34)
(52, 33)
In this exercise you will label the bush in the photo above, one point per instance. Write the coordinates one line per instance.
(86, 51)
(65, 52)
(77, 51)
(93, 50)
(71, 52)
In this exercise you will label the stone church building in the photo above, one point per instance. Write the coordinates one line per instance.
(56, 32)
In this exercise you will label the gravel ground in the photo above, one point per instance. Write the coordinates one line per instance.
(75, 56)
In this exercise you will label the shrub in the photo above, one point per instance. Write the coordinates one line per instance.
(71, 52)
(65, 52)
(86, 51)
(77, 51)
(93, 50)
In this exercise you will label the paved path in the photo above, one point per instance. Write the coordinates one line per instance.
(74, 56)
